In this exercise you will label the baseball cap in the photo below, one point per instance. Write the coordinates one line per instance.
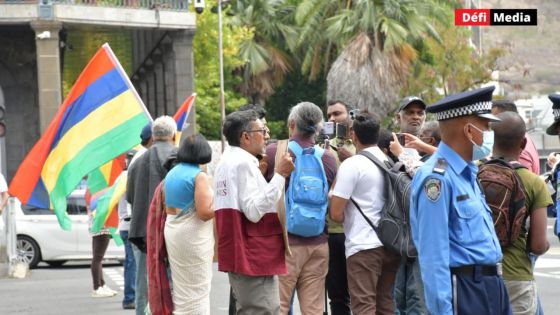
(409, 100)
(146, 133)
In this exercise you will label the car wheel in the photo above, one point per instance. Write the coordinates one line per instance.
(28, 251)
(56, 263)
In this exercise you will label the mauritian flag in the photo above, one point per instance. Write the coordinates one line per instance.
(100, 119)
(106, 174)
(99, 180)
(182, 114)
(106, 214)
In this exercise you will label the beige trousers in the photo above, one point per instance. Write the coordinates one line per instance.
(307, 269)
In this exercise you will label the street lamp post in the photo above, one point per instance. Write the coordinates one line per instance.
(222, 99)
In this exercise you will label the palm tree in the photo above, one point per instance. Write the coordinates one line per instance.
(374, 38)
(270, 22)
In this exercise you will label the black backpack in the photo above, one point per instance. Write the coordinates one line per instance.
(393, 229)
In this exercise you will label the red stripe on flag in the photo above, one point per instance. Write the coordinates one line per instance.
(29, 171)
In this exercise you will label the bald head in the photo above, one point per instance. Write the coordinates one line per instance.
(509, 133)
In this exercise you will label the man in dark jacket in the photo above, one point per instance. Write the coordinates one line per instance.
(143, 177)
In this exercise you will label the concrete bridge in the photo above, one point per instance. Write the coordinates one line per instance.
(33, 41)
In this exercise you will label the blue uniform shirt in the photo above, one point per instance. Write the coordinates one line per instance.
(556, 182)
(451, 225)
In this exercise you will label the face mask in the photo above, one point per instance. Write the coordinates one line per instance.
(484, 150)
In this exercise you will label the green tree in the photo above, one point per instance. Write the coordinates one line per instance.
(451, 66)
(207, 67)
(374, 39)
(266, 62)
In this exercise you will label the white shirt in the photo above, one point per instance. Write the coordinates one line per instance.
(359, 178)
(239, 184)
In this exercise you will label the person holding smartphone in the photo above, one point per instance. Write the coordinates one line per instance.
(409, 293)
(339, 113)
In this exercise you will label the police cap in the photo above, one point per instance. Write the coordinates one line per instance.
(475, 102)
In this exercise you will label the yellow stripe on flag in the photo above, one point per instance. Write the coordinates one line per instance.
(113, 113)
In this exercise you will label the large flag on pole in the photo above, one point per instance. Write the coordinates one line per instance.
(100, 119)
(182, 114)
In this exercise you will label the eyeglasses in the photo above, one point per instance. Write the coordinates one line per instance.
(263, 131)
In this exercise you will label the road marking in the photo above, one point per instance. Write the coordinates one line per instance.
(116, 275)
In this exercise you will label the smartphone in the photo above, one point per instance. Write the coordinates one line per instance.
(328, 128)
(402, 139)
(341, 131)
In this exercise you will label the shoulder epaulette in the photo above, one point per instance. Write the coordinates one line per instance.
(441, 166)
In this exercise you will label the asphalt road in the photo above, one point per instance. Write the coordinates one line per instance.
(67, 289)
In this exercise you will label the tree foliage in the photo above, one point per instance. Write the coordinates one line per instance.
(207, 69)
(451, 66)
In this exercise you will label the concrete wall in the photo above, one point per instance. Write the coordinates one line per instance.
(18, 79)
(164, 70)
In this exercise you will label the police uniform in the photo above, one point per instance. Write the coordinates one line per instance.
(452, 225)
(553, 131)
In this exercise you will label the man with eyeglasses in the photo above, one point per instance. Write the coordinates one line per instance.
(250, 242)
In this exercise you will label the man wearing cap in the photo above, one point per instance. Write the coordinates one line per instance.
(451, 223)
(409, 296)
(143, 177)
(411, 115)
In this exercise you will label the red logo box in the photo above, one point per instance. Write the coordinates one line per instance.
(472, 17)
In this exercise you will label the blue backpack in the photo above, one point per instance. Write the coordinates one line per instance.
(306, 199)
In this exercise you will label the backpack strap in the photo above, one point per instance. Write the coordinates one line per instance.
(375, 160)
(364, 215)
(516, 165)
(295, 147)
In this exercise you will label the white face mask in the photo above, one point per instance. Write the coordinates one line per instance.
(484, 150)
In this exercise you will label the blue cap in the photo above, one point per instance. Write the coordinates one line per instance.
(146, 133)
(476, 102)
(553, 129)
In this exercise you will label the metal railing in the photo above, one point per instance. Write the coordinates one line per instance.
(172, 5)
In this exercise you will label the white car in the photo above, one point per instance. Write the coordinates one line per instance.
(40, 237)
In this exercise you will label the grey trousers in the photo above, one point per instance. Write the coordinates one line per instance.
(255, 295)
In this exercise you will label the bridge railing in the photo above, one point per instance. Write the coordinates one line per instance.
(174, 5)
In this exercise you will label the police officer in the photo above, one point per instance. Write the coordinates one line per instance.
(451, 223)
(554, 130)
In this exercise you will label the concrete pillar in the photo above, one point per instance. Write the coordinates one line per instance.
(183, 71)
(48, 70)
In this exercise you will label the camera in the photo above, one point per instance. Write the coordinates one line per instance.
(402, 138)
(328, 128)
(199, 6)
(341, 131)
(353, 113)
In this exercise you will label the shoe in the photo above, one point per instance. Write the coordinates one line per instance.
(100, 292)
(106, 288)
(128, 306)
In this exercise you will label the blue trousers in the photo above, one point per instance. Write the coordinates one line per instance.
(480, 294)
(141, 298)
(129, 270)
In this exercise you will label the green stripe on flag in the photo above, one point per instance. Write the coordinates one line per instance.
(96, 181)
(98, 152)
(116, 236)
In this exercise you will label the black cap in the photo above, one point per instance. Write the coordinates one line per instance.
(476, 102)
(553, 129)
(409, 100)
